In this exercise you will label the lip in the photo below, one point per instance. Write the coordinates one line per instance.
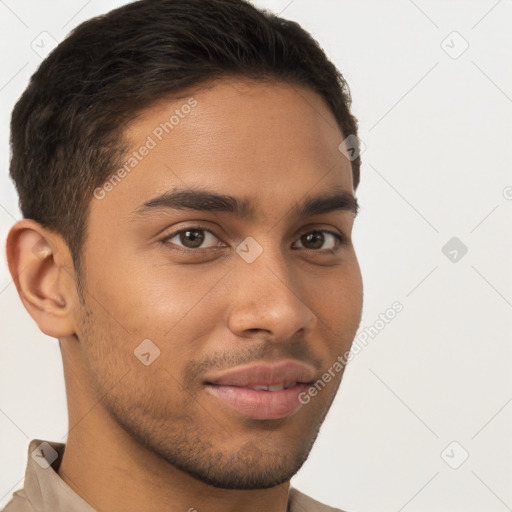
(264, 374)
(234, 388)
(260, 405)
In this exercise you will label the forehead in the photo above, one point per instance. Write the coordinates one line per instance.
(271, 142)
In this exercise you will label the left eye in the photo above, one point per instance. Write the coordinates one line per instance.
(317, 239)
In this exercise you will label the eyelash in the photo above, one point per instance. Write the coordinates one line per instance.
(340, 240)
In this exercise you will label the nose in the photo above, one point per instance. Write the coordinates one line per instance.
(267, 301)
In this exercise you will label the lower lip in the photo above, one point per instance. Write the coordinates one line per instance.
(261, 405)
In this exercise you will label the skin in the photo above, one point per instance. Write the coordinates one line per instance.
(151, 437)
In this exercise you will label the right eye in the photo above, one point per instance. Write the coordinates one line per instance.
(194, 237)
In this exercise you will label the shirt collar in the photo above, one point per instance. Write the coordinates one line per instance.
(43, 487)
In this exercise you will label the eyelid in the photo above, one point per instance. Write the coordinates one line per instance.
(341, 239)
(194, 227)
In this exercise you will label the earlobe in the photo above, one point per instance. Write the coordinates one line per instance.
(37, 263)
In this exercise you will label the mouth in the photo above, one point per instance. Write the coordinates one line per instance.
(262, 391)
(274, 387)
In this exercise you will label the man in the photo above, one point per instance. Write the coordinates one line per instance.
(186, 172)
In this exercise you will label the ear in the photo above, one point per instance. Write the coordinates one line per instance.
(42, 269)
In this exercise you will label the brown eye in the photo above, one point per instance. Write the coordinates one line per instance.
(312, 240)
(192, 239)
(324, 240)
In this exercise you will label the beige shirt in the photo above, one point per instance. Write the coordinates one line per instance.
(45, 491)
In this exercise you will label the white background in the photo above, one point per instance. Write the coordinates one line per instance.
(437, 165)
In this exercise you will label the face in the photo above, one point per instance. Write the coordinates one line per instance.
(221, 261)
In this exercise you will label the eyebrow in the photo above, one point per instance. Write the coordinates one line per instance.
(204, 200)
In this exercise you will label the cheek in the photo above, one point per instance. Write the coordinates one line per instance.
(177, 311)
(341, 315)
(337, 299)
(150, 299)
(179, 305)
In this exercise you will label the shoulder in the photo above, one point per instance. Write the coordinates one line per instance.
(19, 503)
(300, 502)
